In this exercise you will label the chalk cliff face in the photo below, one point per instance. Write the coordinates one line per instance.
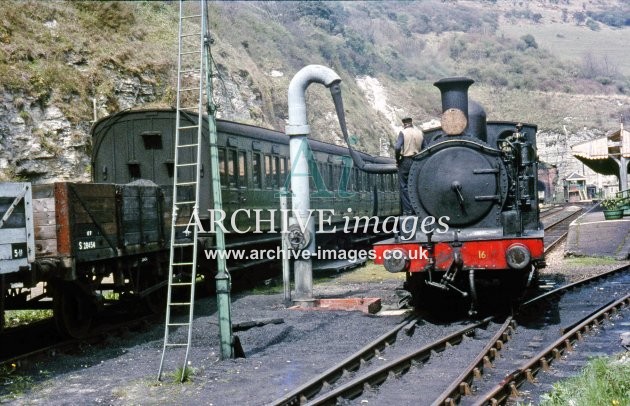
(63, 63)
(40, 143)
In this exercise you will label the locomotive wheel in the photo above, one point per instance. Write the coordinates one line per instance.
(72, 311)
(414, 283)
(516, 284)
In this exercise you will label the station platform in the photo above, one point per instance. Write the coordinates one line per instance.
(592, 235)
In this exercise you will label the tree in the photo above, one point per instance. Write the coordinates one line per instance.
(529, 42)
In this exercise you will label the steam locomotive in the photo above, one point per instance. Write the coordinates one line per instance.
(473, 190)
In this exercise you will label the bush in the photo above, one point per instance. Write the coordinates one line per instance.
(529, 41)
(611, 204)
(603, 381)
(616, 17)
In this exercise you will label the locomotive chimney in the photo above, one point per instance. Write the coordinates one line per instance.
(454, 95)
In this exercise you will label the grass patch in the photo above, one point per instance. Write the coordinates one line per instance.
(111, 295)
(269, 287)
(590, 261)
(14, 318)
(369, 273)
(604, 381)
(182, 375)
(573, 42)
(13, 383)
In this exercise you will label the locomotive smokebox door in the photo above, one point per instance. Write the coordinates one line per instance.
(465, 192)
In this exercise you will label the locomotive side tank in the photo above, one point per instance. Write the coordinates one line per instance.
(476, 223)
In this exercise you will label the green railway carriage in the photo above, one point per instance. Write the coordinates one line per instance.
(254, 165)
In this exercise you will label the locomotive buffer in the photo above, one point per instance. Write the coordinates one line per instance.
(192, 74)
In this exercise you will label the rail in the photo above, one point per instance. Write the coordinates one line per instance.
(562, 225)
(462, 385)
(541, 361)
(377, 376)
(352, 363)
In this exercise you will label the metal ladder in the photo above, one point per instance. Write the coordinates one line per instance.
(186, 172)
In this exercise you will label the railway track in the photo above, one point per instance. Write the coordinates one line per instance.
(27, 343)
(550, 211)
(506, 385)
(542, 360)
(557, 226)
(464, 370)
(311, 391)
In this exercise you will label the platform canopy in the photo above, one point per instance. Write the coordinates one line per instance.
(606, 155)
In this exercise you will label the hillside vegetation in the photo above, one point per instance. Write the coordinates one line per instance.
(557, 63)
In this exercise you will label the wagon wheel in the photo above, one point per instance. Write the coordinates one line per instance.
(154, 302)
(72, 311)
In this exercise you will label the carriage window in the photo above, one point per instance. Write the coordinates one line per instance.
(268, 177)
(152, 139)
(330, 176)
(222, 172)
(242, 169)
(170, 167)
(351, 178)
(357, 180)
(320, 169)
(311, 184)
(231, 168)
(256, 171)
(134, 170)
(276, 171)
(283, 170)
(347, 173)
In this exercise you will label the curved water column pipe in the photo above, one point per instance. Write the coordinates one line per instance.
(298, 130)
